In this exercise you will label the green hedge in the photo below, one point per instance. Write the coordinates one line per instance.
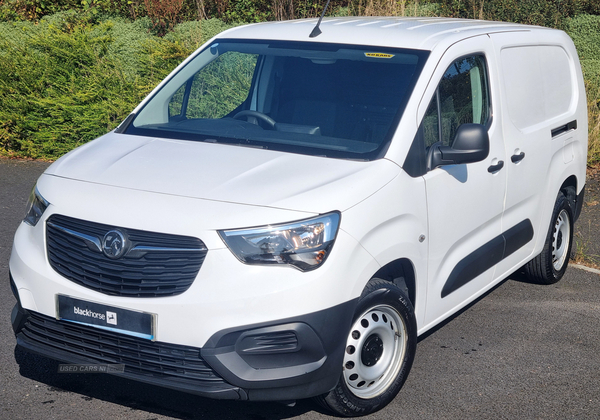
(64, 81)
(585, 32)
(69, 79)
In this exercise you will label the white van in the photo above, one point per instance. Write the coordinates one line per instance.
(285, 214)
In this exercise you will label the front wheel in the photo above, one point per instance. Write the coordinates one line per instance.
(379, 352)
(551, 264)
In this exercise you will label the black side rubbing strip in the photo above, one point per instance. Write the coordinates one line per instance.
(517, 236)
(488, 255)
(474, 264)
(564, 128)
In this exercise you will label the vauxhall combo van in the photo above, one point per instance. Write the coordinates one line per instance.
(287, 212)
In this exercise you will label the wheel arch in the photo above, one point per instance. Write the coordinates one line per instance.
(401, 272)
(569, 189)
(569, 182)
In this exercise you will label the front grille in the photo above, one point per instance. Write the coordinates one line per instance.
(155, 265)
(144, 359)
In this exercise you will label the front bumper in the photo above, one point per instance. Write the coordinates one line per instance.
(266, 333)
(282, 360)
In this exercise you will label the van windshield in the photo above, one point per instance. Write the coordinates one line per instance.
(331, 100)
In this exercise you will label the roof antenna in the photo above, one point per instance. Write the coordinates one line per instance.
(316, 31)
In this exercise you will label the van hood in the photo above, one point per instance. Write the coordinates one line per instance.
(225, 173)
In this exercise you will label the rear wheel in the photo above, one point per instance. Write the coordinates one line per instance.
(379, 352)
(551, 264)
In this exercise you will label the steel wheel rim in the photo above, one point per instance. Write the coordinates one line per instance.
(374, 351)
(560, 240)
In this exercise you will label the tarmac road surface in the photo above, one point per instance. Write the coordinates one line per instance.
(523, 351)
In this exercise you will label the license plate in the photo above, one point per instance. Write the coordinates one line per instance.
(112, 318)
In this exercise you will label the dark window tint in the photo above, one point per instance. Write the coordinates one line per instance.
(341, 101)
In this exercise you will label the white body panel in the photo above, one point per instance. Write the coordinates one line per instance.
(548, 161)
(464, 203)
(224, 173)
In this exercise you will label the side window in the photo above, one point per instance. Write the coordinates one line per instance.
(461, 97)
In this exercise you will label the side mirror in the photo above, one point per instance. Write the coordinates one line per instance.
(471, 144)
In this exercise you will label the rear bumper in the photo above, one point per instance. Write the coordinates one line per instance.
(281, 360)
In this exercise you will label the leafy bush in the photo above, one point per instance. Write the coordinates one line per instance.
(58, 91)
(585, 32)
(195, 33)
(64, 81)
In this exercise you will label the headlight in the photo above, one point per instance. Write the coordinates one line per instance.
(304, 244)
(35, 207)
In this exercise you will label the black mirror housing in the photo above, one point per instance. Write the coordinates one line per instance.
(471, 144)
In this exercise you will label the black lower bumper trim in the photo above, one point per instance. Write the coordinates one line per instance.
(163, 364)
(287, 359)
(294, 358)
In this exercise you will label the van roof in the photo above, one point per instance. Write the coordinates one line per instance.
(403, 32)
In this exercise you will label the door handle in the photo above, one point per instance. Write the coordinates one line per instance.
(517, 158)
(496, 167)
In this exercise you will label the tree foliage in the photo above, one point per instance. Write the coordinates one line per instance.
(165, 14)
(551, 13)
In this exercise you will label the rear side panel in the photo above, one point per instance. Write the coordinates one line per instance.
(544, 120)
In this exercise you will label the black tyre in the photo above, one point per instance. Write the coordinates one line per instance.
(551, 264)
(379, 353)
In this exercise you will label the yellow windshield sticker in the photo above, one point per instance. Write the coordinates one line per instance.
(379, 55)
